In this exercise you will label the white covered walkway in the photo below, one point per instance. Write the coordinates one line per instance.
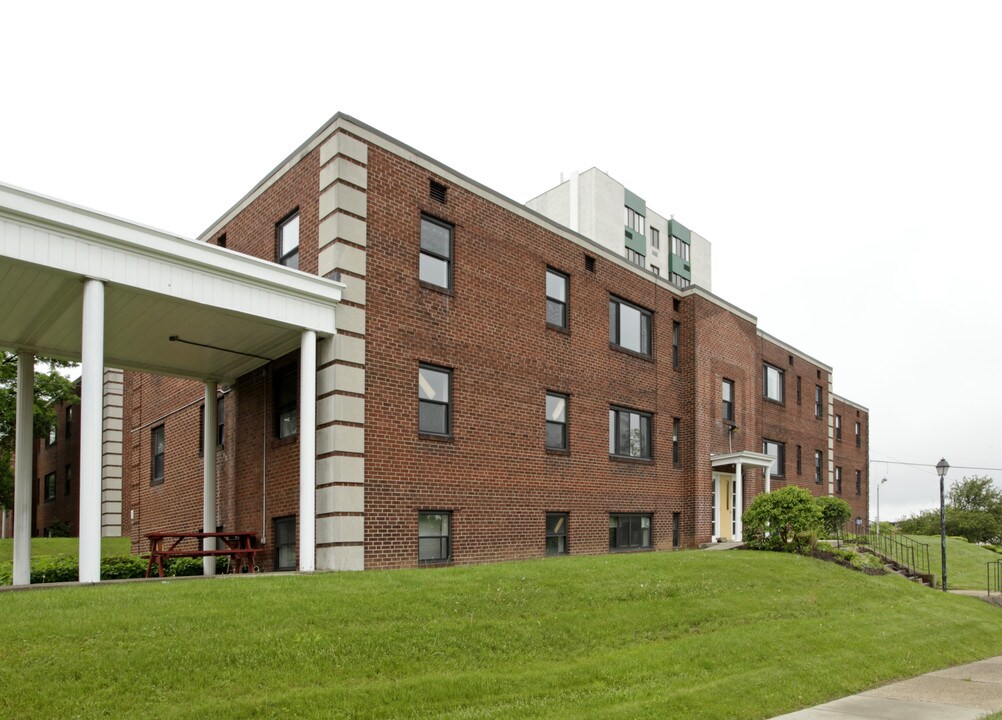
(82, 286)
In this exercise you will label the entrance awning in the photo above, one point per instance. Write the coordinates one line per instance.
(744, 457)
(157, 286)
(82, 286)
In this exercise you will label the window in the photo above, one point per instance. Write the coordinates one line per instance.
(157, 442)
(69, 422)
(798, 390)
(556, 421)
(728, 394)
(838, 481)
(859, 482)
(634, 220)
(838, 428)
(656, 270)
(436, 252)
(676, 425)
(676, 527)
(629, 433)
(772, 383)
(68, 488)
(285, 383)
(285, 543)
(859, 434)
(676, 332)
(287, 235)
(635, 257)
(220, 404)
(434, 537)
(680, 247)
(50, 438)
(556, 534)
(433, 400)
(678, 280)
(799, 465)
(818, 460)
(627, 532)
(556, 299)
(50, 487)
(777, 451)
(818, 407)
(629, 327)
(655, 238)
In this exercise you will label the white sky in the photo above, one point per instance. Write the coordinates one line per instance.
(843, 158)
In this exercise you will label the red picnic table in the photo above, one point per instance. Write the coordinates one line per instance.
(241, 548)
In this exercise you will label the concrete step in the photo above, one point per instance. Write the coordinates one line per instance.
(720, 545)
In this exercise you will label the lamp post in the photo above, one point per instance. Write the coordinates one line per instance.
(941, 467)
(878, 503)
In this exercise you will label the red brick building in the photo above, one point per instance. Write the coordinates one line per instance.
(56, 498)
(500, 386)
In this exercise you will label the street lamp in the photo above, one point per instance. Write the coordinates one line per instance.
(878, 503)
(941, 467)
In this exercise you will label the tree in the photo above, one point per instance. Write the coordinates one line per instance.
(782, 520)
(973, 511)
(976, 493)
(835, 513)
(51, 387)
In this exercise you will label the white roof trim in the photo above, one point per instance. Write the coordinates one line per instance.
(850, 403)
(745, 457)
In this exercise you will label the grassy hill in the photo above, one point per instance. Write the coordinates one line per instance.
(683, 635)
(965, 562)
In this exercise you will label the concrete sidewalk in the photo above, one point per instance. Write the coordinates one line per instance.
(966, 692)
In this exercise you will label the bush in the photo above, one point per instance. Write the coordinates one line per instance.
(59, 568)
(835, 513)
(786, 520)
(59, 529)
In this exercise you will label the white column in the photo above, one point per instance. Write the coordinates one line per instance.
(308, 452)
(715, 524)
(739, 492)
(768, 479)
(23, 456)
(209, 476)
(91, 401)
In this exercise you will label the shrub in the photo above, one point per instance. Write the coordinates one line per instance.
(59, 529)
(835, 513)
(785, 520)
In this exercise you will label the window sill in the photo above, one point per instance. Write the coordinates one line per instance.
(435, 437)
(558, 451)
(631, 550)
(773, 402)
(282, 442)
(434, 563)
(629, 459)
(631, 353)
(156, 483)
(437, 288)
(558, 328)
(677, 465)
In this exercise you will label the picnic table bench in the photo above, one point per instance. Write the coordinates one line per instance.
(241, 547)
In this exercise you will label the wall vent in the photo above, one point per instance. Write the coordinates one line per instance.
(589, 263)
(437, 191)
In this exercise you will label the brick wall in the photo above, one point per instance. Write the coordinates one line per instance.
(57, 458)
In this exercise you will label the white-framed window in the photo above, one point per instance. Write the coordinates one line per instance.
(777, 451)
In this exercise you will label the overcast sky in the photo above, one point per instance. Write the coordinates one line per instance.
(843, 159)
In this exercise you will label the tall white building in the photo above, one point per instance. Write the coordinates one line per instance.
(605, 211)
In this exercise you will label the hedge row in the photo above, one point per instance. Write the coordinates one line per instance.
(65, 568)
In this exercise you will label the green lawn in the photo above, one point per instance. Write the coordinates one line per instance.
(64, 546)
(965, 562)
(683, 635)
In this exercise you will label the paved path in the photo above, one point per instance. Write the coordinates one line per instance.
(966, 692)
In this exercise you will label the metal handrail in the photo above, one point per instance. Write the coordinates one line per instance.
(994, 571)
(910, 554)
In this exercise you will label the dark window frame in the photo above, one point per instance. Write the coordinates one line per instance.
(49, 487)
(676, 343)
(558, 532)
(765, 383)
(448, 260)
(780, 455)
(616, 450)
(157, 474)
(616, 531)
(69, 422)
(285, 401)
(447, 404)
(68, 480)
(676, 431)
(859, 434)
(655, 238)
(799, 464)
(447, 539)
(564, 446)
(563, 305)
(285, 520)
(859, 482)
(284, 258)
(819, 397)
(838, 427)
(838, 479)
(615, 323)
(727, 389)
(819, 461)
